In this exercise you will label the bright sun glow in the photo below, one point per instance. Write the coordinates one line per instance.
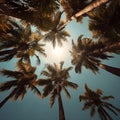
(58, 51)
(57, 54)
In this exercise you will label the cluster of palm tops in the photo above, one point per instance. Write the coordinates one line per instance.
(18, 41)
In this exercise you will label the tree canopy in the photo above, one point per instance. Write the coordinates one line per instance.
(27, 26)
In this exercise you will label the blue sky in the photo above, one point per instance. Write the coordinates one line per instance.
(33, 108)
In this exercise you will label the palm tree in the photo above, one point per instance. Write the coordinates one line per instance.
(89, 53)
(71, 7)
(19, 41)
(104, 22)
(57, 80)
(35, 12)
(95, 101)
(22, 80)
(55, 35)
(94, 4)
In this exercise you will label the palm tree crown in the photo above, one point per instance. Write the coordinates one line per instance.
(23, 79)
(57, 80)
(89, 53)
(19, 41)
(95, 100)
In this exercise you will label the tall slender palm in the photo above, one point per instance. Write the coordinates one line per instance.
(71, 7)
(88, 8)
(34, 11)
(57, 80)
(94, 100)
(55, 35)
(21, 80)
(104, 21)
(89, 53)
(19, 41)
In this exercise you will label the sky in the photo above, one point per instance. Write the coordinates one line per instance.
(34, 108)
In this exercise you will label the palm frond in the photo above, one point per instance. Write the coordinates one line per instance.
(36, 90)
(67, 93)
(107, 97)
(83, 97)
(45, 73)
(51, 68)
(21, 96)
(19, 92)
(112, 110)
(38, 59)
(57, 19)
(47, 90)
(87, 105)
(102, 114)
(9, 73)
(92, 111)
(112, 106)
(61, 64)
(7, 85)
(52, 97)
(71, 85)
(43, 82)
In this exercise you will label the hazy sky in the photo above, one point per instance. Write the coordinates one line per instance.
(33, 108)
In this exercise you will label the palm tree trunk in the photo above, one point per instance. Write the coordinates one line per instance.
(113, 70)
(88, 8)
(61, 109)
(7, 98)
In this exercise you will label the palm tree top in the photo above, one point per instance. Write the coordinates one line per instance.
(56, 71)
(96, 100)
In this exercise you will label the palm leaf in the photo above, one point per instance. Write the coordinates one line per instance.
(9, 73)
(36, 90)
(47, 90)
(51, 69)
(38, 59)
(52, 97)
(61, 64)
(7, 85)
(43, 82)
(67, 93)
(107, 97)
(87, 105)
(71, 85)
(45, 73)
(102, 114)
(112, 106)
(112, 110)
(20, 90)
(21, 96)
(83, 97)
(92, 111)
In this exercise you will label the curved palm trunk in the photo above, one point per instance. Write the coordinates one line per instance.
(61, 109)
(7, 98)
(113, 70)
(88, 8)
